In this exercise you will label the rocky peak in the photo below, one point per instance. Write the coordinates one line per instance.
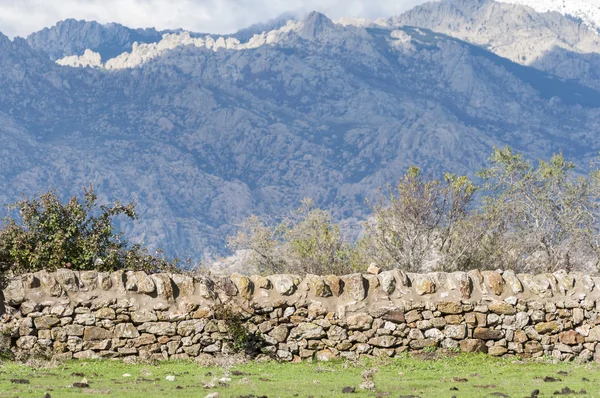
(314, 25)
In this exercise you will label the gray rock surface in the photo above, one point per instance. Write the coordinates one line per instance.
(200, 139)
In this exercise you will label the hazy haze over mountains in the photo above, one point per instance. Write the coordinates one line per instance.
(201, 130)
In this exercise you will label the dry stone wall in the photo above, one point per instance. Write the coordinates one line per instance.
(69, 314)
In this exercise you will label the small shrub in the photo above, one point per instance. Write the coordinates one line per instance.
(305, 242)
(419, 223)
(78, 235)
(242, 340)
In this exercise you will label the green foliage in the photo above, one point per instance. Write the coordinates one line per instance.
(77, 235)
(242, 340)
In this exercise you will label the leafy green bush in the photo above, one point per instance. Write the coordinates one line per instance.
(77, 235)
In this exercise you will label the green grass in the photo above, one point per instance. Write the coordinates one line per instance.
(471, 375)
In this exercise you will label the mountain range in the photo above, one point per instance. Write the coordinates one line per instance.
(202, 130)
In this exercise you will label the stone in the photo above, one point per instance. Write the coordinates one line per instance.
(145, 284)
(284, 284)
(164, 286)
(571, 337)
(96, 333)
(373, 269)
(14, 292)
(67, 280)
(512, 281)
(260, 282)
(280, 333)
(87, 354)
(465, 285)
(326, 355)
(473, 345)
(49, 284)
(190, 327)
(203, 313)
(435, 334)
(495, 282)
(27, 307)
(502, 308)
(335, 284)
(497, 351)
(415, 334)
(88, 280)
(387, 281)
(74, 330)
(424, 284)
(532, 347)
(104, 281)
(487, 334)
(46, 322)
(355, 287)
(318, 286)
(143, 315)
(413, 316)
(158, 328)
(547, 327)
(359, 322)
(383, 341)
(307, 330)
(336, 333)
(449, 307)
(456, 332)
(106, 313)
(184, 285)
(423, 343)
(394, 315)
(244, 285)
(593, 334)
(126, 331)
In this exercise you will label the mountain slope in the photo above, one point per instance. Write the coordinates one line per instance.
(202, 138)
(587, 10)
(548, 41)
(73, 37)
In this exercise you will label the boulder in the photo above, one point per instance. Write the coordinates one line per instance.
(164, 287)
(145, 284)
(502, 308)
(512, 281)
(96, 333)
(359, 322)
(284, 284)
(244, 285)
(387, 281)
(14, 292)
(494, 282)
(473, 345)
(307, 330)
(335, 284)
(424, 284)
(355, 287)
(184, 285)
(67, 280)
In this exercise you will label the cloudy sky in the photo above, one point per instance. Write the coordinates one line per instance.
(21, 17)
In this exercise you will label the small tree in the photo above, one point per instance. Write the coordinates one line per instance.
(544, 216)
(417, 223)
(305, 242)
(76, 235)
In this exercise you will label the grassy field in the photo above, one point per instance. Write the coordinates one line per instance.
(458, 376)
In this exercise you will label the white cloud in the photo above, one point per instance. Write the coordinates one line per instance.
(21, 17)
